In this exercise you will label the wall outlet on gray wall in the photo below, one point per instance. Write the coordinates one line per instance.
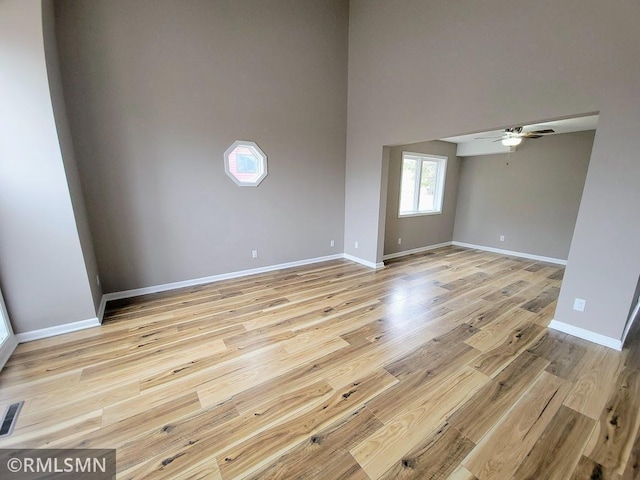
(355, 244)
(502, 238)
(332, 243)
(579, 304)
(399, 241)
(254, 253)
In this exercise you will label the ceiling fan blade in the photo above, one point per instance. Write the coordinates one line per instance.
(517, 132)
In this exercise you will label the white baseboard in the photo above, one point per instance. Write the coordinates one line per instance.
(586, 335)
(57, 330)
(224, 276)
(364, 262)
(512, 253)
(416, 250)
(96, 322)
(214, 278)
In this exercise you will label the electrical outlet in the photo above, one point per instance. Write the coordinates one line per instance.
(332, 243)
(399, 241)
(579, 304)
(502, 238)
(98, 280)
(355, 244)
(254, 253)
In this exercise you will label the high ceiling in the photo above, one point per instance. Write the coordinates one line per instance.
(470, 145)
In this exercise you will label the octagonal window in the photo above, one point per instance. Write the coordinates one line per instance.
(245, 163)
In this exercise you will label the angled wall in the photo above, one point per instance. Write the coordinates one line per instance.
(42, 268)
(67, 150)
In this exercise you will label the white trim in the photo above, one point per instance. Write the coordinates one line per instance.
(364, 262)
(57, 330)
(632, 317)
(423, 155)
(96, 322)
(441, 175)
(7, 349)
(586, 334)
(257, 151)
(420, 214)
(530, 256)
(214, 278)
(389, 256)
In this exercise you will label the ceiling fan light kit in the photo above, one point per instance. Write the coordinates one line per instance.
(512, 137)
(511, 141)
(491, 142)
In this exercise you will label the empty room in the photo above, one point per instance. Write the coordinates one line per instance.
(319, 239)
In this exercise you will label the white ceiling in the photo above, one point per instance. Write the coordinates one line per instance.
(470, 145)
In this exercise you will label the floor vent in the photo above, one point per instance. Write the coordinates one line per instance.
(9, 419)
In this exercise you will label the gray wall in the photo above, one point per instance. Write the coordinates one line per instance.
(530, 196)
(425, 230)
(451, 75)
(42, 271)
(66, 148)
(157, 90)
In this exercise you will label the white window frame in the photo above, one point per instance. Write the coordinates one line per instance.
(257, 153)
(440, 183)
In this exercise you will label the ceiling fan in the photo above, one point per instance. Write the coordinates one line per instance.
(513, 136)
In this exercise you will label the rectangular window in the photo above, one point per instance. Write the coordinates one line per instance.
(422, 184)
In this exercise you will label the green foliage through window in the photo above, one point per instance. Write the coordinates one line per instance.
(422, 184)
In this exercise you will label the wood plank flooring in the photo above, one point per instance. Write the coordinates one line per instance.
(438, 366)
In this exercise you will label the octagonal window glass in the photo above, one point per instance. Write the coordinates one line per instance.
(245, 163)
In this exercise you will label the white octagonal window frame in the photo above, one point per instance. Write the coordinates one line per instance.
(245, 163)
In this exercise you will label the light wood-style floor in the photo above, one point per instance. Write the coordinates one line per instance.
(438, 366)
